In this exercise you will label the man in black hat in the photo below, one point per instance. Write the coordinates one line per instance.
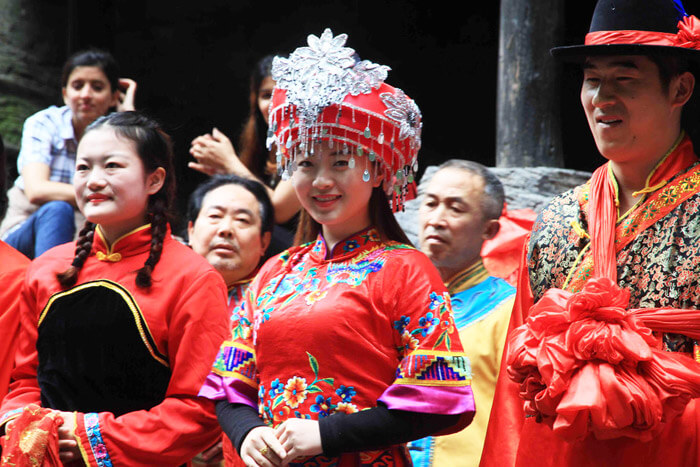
(584, 379)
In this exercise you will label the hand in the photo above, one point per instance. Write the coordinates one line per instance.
(299, 438)
(67, 445)
(261, 448)
(214, 454)
(127, 95)
(214, 154)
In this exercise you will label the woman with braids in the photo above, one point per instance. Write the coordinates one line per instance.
(345, 347)
(118, 327)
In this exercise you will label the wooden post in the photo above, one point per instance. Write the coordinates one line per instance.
(528, 132)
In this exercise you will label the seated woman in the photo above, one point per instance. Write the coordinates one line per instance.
(40, 213)
(214, 154)
(345, 347)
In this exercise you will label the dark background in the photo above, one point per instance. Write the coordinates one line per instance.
(192, 59)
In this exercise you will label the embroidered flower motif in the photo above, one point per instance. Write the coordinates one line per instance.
(436, 300)
(295, 392)
(280, 414)
(346, 407)
(276, 387)
(408, 342)
(346, 393)
(322, 407)
(351, 245)
(315, 296)
(403, 110)
(352, 273)
(402, 322)
(427, 323)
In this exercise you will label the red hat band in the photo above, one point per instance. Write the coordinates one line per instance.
(688, 36)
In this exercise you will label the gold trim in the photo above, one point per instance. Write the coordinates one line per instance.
(128, 299)
(438, 353)
(658, 164)
(83, 453)
(413, 382)
(575, 265)
(467, 278)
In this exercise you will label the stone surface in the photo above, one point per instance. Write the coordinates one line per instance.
(525, 187)
(30, 64)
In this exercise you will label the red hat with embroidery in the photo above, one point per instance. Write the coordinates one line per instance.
(323, 93)
(638, 27)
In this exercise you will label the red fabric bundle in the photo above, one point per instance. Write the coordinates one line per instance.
(32, 439)
(588, 364)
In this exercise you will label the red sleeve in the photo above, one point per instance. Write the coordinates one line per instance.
(24, 389)
(183, 425)
(506, 420)
(12, 272)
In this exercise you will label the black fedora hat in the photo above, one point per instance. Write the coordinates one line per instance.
(634, 27)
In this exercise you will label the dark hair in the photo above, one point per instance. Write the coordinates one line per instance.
(380, 215)
(252, 142)
(267, 215)
(154, 147)
(92, 57)
(493, 197)
(669, 67)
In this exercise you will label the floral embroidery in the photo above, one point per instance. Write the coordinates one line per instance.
(323, 406)
(350, 245)
(346, 393)
(294, 392)
(441, 304)
(240, 324)
(346, 407)
(99, 450)
(315, 296)
(276, 407)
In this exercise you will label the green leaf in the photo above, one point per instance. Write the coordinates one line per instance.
(313, 363)
(439, 341)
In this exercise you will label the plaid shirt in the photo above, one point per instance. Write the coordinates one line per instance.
(48, 138)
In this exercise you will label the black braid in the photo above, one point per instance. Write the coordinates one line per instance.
(83, 246)
(159, 227)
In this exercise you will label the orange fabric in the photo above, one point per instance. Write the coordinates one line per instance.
(32, 441)
(12, 267)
